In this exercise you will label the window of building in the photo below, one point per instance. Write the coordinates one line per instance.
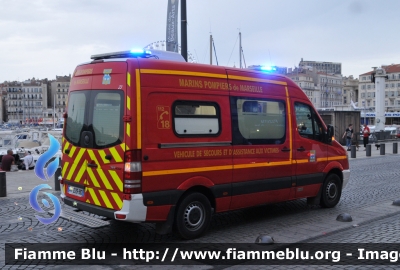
(386, 103)
(363, 86)
(386, 85)
(364, 78)
(369, 86)
(194, 118)
(392, 85)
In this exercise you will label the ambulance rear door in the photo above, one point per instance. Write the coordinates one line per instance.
(94, 142)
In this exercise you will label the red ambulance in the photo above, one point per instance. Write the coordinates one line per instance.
(150, 138)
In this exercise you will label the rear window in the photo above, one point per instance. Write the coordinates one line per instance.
(106, 112)
(76, 115)
(96, 113)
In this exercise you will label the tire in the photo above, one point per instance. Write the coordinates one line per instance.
(331, 191)
(193, 216)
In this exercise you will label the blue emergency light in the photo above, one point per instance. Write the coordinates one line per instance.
(268, 68)
(140, 52)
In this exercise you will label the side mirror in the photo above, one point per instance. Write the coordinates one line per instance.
(329, 134)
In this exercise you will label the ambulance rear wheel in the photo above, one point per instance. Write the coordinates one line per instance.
(331, 191)
(193, 216)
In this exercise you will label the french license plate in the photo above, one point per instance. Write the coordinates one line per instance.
(76, 191)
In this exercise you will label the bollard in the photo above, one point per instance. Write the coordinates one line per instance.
(56, 181)
(3, 184)
(353, 151)
(368, 150)
(395, 148)
(382, 147)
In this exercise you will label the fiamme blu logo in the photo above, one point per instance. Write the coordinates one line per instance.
(45, 173)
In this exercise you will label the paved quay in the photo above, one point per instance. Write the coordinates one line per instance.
(22, 182)
(368, 199)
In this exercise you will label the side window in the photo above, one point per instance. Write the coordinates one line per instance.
(196, 118)
(258, 121)
(308, 124)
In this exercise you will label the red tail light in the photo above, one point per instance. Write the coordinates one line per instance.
(133, 172)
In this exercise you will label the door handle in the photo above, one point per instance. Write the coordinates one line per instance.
(92, 165)
(285, 149)
(301, 149)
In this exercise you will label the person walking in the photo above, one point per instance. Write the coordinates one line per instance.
(349, 136)
(366, 133)
(29, 163)
(7, 161)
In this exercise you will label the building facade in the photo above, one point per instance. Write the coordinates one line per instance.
(327, 67)
(25, 101)
(324, 90)
(350, 91)
(59, 94)
(366, 92)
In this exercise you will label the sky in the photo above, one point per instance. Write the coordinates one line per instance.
(49, 38)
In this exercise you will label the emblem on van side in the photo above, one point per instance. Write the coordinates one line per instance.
(107, 76)
(312, 155)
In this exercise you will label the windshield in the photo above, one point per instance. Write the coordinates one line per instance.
(98, 113)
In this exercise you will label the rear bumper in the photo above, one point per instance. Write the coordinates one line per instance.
(133, 209)
(346, 178)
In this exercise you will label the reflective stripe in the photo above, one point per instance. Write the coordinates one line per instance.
(116, 179)
(105, 198)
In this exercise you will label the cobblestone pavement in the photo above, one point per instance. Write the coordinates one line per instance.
(374, 184)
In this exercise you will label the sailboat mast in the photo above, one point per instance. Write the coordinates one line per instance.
(240, 50)
(211, 49)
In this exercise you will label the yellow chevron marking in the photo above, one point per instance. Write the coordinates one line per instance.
(94, 197)
(80, 154)
(71, 171)
(87, 201)
(93, 178)
(128, 129)
(71, 153)
(66, 146)
(116, 179)
(104, 179)
(105, 199)
(183, 73)
(117, 199)
(80, 173)
(102, 154)
(128, 102)
(64, 169)
(115, 155)
(243, 78)
(128, 79)
(123, 145)
(93, 157)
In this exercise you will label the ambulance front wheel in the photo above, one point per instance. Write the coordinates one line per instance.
(193, 216)
(331, 191)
